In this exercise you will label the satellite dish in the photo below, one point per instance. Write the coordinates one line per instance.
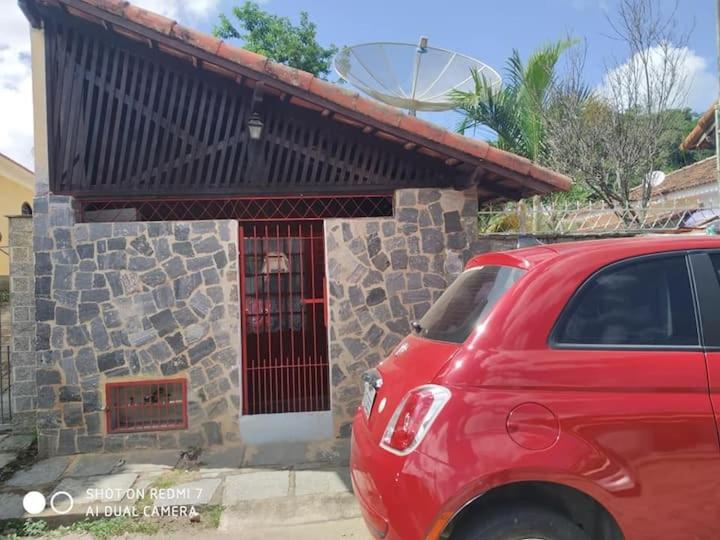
(656, 178)
(412, 77)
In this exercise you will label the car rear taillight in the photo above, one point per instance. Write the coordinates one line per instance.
(413, 417)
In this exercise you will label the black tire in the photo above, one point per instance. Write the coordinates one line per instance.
(518, 523)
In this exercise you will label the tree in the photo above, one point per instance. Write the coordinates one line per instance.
(516, 111)
(278, 38)
(612, 138)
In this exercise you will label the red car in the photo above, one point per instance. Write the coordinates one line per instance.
(563, 392)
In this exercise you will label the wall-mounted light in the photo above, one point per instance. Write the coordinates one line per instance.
(255, 126)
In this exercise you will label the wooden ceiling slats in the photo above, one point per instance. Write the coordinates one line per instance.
(125, 120)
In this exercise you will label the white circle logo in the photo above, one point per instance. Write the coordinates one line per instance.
(62, 510)
(34, 502)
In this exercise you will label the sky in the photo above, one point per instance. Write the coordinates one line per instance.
(479, 28)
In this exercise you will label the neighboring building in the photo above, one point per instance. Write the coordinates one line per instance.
(223, 244)
(693, 186)
(16, 195)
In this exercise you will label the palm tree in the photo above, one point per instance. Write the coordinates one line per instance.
(515, 111)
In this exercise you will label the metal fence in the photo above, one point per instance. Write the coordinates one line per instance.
(595, 218)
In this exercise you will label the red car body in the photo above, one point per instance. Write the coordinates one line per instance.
(621, 440)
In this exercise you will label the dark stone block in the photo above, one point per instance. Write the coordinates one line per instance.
(185, 317)
(452, 222)
(101, 246)
(44, 310)
(62, 238)
(65, 256)
(457, 241)
(69, 393)
(141, 264)
(211, 276)
(217, 408)
(345, 430)
(42, 338)
(395, 283)
(399, 259)
(62, 277)
(354, 346)
(115, 260)
(133, 361)
(381, 262)
(47, 376)
(201, 350)
(174, 366)
(408, 215)
(160, 351)
(83, 280)
(48, 420)
(91, 402)
(86, 251)
(373, 336)
(347, 232)
(176, 342)
(174, 267)
(415, 296)
(373, 277)
(72, 415)
(154, 278)
(426, 196)
(99, 281)
(414, 280)
(115, 244)
(336, 289)
(198, 263)
(88, 311)
(158, 229)
(183, 248)
(164, 296)
(42, 286)
(181, 231)
(185, 285)
(85, 362)
(142, 246)
(434, 281)
(115, 282)
(419, 263)
(89, 444)
(65, 316)
(213, 434)
(432, 241)
(399, 326)
(77, 336)
(92, 423)
(164, 322)
(209, 244)
(337, 375)
(356, 296)
(374, 244)
(141, 440)
(220, 260)
(46, 397)
(436, 212)
(43, 264)
(118, 372)
(112, 318)
(99, 335)
(110, 360)
(95, 295)
(375, 296)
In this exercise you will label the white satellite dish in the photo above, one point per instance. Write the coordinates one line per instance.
(656, 178)
(412, 77)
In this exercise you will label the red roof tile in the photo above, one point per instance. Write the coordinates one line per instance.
(339, 98)
(698, 174)
(695, 138)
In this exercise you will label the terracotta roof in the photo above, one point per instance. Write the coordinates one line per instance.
(221, 57)
(700, 136)
(698, 174)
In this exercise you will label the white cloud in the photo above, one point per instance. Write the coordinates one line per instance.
(16, 125)
(182, 10)
(699, 86)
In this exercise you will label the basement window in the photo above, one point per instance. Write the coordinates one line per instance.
(155, 405)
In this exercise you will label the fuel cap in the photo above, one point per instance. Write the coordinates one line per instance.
(533, 426)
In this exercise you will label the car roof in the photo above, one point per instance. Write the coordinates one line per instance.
(623, 247)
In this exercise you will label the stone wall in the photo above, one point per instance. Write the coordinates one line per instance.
(127, 302)
(384, 273)
(22, 316)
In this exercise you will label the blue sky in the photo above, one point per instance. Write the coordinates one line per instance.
(486, 30)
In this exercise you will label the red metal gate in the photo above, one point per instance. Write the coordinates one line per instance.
(282, 284)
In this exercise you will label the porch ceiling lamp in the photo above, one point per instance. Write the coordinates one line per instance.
(255, 126)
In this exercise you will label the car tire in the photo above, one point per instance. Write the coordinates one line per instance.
(519, 523)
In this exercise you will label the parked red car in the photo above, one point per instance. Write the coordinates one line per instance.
(560, 392)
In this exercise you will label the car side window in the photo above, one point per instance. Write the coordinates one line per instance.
(715, 258)
(647, 302)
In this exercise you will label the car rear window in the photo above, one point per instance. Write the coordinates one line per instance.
(467, 302)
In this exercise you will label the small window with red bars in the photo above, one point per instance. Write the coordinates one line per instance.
(153, 405)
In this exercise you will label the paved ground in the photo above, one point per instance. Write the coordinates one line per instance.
(309, 501)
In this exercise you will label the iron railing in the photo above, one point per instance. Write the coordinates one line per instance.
(156, 405)
(595, 218)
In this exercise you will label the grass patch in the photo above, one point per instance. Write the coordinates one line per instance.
(174, 477)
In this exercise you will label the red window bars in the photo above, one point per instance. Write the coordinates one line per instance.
(285, 360)
(256, 208)
(155, 405)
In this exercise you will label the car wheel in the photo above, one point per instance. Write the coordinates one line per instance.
(519, 523)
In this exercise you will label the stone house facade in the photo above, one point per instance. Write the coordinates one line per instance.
(196, 284)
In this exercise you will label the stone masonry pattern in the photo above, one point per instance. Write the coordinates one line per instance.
(127, 302)
(384, 273)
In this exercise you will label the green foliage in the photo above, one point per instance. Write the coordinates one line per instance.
(278, 38)
(515, 111)
(681, 122)
(18, 528)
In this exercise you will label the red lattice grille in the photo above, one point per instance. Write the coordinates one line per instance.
(146, 405)
(256, 208)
